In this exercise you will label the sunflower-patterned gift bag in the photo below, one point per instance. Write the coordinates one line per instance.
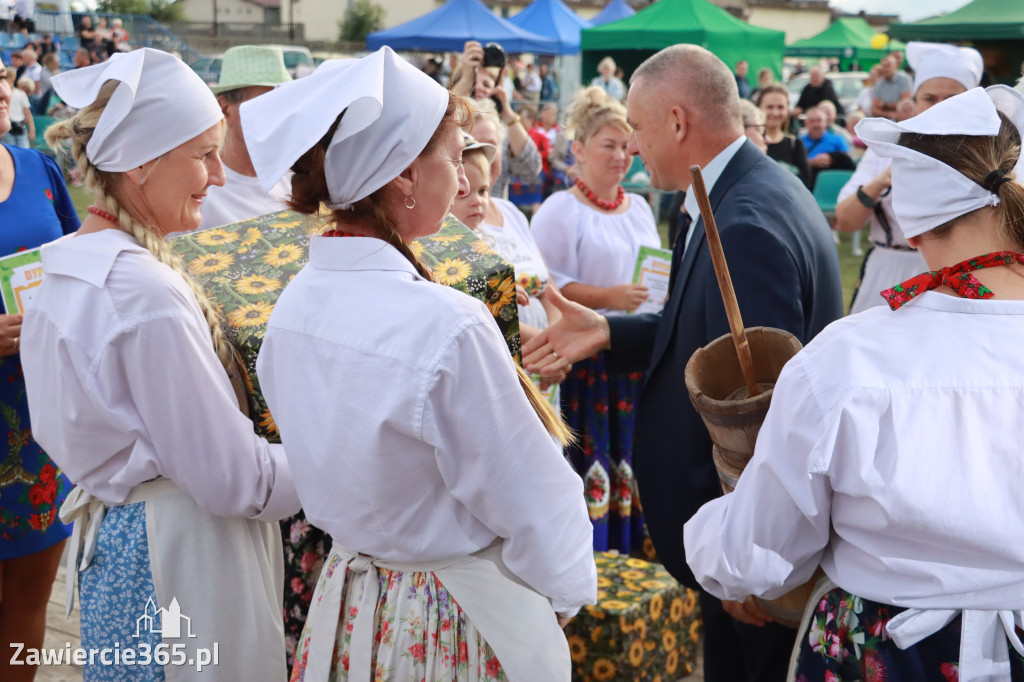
(463, 261)
(245, 266)
(645, 626)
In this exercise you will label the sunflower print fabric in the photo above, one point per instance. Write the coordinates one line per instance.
(244, 268)
(645, 626)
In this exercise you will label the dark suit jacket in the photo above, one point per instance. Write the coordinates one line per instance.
(785, 271)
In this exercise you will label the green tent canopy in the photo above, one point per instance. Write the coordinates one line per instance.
(668, 22)
(994, 27)
(979, 20)
(848, 39)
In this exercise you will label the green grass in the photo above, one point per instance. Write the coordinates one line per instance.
(81, 199)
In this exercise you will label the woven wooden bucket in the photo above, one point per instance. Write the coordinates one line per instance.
(717, 390)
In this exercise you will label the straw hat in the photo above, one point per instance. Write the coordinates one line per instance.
(248, 65)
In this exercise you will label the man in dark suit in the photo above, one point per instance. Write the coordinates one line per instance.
(684, 109)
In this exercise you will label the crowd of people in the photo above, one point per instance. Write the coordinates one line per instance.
(460, 496)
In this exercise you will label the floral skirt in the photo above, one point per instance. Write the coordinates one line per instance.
(420, 633)
(305, 548)
(114, 591)
(32, 487)
(602, 412)
(846, 640)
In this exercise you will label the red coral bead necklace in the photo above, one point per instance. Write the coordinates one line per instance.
(601, 203)
(103, 214)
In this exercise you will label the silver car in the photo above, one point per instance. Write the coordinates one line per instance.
(846, 84)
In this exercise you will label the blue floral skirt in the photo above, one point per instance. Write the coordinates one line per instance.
(32, 487)
(846, 641)
(117, 588)
(601, 410)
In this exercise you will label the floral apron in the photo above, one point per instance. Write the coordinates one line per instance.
(513, 619)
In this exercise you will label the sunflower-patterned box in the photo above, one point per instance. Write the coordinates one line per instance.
(645, 626)
(245, 266)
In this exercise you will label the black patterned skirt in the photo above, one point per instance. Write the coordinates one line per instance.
(846, 640)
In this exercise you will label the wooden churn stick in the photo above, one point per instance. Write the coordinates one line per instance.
(732, 308)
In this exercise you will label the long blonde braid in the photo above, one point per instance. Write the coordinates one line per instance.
(78, 130)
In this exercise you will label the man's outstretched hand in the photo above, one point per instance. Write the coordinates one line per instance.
(579, 333)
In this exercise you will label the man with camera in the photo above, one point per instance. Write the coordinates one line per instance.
(479, 77)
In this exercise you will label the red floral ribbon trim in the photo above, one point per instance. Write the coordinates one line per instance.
(957, 277)
(339, 233)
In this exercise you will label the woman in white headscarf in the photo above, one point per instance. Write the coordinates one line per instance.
(891, 452)
(460, 534)
(941, 71)
(128, 386)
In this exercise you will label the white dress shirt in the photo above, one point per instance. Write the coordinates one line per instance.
(891, 454)
(514, 241)
(124, 384)
(710, 173)
(408, 432)
(869, 167)
(582, 244)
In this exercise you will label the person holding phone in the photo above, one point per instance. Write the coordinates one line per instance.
(479, 76)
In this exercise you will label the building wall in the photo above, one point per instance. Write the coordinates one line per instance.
(797, 23)
(322, 17)
(227, 10)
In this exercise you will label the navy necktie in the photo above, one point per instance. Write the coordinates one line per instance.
(683, 223)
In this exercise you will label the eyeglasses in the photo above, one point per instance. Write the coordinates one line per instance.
(759, 126)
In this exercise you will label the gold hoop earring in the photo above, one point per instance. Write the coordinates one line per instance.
(409, 198)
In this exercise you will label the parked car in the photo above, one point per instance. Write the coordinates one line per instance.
(846, 84)
(208, 68)
(297, 59)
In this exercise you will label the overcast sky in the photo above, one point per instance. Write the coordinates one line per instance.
(909, 10)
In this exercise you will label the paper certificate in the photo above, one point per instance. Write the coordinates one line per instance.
(653, 267)
(20, 274)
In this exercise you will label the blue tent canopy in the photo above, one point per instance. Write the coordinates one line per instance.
(551, 18)
(613, 11)
(448, 27)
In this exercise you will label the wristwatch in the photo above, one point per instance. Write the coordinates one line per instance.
(865, 199)
(515, 119)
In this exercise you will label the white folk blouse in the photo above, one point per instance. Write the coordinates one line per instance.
(581, 244)
(514, 241)
(124, 385)
(408, 432)
(891, 455)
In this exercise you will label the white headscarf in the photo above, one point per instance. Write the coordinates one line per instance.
(927, 193)
(391, 111)
(939, 60)
(160, 104)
